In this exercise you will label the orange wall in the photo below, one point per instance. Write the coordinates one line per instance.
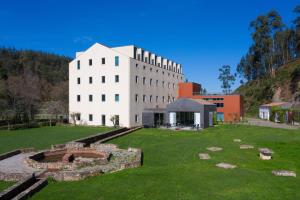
(233, 104)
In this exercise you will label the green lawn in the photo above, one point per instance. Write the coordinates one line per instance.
(43, 137)
(172, 169)
(4, 185)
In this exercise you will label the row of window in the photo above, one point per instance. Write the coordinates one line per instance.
(157, 71)
(151, 82)
(117, 62)
(213, 99)
(220, 105)
(117, 79)
(103, 98)
(158, 64)
(144, 98)
(103, 119)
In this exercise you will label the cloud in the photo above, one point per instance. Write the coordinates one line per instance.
(83, 39)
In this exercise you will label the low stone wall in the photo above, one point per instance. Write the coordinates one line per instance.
(41, 183)
(10, 154)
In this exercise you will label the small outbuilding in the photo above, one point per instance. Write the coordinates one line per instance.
(190, 112)
(265, 110)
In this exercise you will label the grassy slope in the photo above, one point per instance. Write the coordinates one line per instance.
(43, 137)
(172, 169)
(261, 91)
(4, 185)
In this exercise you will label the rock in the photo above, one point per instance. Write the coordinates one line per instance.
(237, 140)
(265, 151)
(204, 156)
(214, 148)
(284, 173)
(226, 165)
(246, 146)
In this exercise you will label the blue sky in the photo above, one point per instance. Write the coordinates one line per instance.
(201, 35)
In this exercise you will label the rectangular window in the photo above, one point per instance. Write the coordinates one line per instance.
(78, 98)
(78, 64)
(150, 98)
(78, 116)
(156, 82)
(136, 118)
(103, 98)
(90, 98)
(136, 98)
(78, 81)
(163, 84)
(103, 61)
(156, 99)
(90, 62)
(150, 81)
(117, 97)
(144, 98)
(90, 80)
(136, 79)
(163, 99)
(116, 61)
(103, 79)
(103, 120)
(158, 64)
(90, 117)
(144, 80)
(139, 57)
(117, 78)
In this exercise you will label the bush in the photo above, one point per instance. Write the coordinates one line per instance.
(33, 124)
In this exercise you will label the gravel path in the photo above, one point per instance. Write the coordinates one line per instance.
(259, 122)
(15, 164)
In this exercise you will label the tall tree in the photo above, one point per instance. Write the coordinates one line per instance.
(297, 30)
(226, 78)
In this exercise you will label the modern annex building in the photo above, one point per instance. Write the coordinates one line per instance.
(229, 107)
(126, 82)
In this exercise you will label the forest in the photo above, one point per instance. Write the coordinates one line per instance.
(31, 81)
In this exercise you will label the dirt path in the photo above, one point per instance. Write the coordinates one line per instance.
(259, 122)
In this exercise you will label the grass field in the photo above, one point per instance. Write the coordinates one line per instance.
(172, 169)
(43, 137)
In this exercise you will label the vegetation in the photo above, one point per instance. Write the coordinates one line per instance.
(4, 185)
(226, 78)
(172, 169)
(29, 79)
(284, 86)
(44, 137)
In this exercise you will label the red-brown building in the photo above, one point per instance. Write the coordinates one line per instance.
(229, 107)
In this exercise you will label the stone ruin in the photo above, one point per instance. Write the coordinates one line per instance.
(74, 162)
(265, 153)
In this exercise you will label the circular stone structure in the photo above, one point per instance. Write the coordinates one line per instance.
(75, 162)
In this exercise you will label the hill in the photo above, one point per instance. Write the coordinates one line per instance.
(28, 79)
(284, 86)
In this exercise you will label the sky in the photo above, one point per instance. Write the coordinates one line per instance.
(202, 35)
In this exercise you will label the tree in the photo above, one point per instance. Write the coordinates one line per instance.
(226, 78)
(74, 116)
(54, 108)
(297, 30)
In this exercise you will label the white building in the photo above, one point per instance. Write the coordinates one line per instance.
(123, 81)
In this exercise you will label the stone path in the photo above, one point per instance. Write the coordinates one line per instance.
(15, 164)
(204, 156)
(237, 140)
(246, 146)
(226, 166)
(284, 173)
(260, 122)
(214, 148)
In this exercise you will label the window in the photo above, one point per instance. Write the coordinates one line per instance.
(168, 74)
(116, 61)
(144, 80)
(156, 82)
(144, 98)
(78, 64)
(173, 85)
(90, 117)
(103, 120)
(165, 66)
(220, 105)
(78, 116)
(150, 81)
(136, 79)
(78, 81)
(90, 80)
(169, 85)
(163, 73)
(173, 99)
(117, 78)
(151, 69)
(117, 120)
(144, 67)
(156, 100)
(103, 79)
(90, 62)
(136, 118)
(136, 65)
(173, 75)
(152, 62)
(157, 71)
(163, 84)
(103, 61)
(117, 97)
(146, 59)
(103, 98)
(136, 98)
(78, 98)
(139, 57)
(150, 98)
(163, 99)
(158, 64)
(90, 98)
